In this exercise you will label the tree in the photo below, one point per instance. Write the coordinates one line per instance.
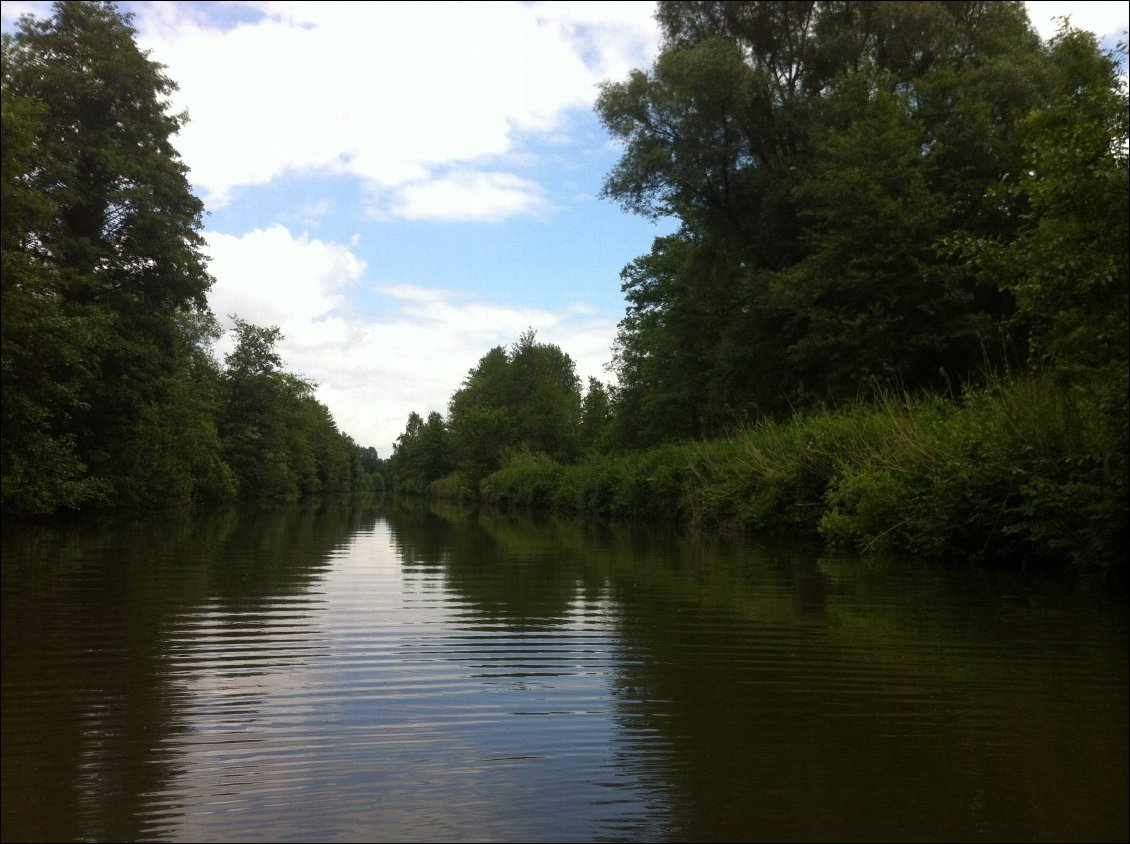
(482, 427)
(280, 441)
(422, 454)
(815, 154)
(435, 448)
(278, 438)
(544, 398)
(111, 394)
(871, 302)
(48, 364)
(126, 225)
(102, 269)
(596, 416)
(1069, 266)
(524, 399)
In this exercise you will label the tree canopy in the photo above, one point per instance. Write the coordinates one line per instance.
(525, 400)
(822, 158)
(110, 393)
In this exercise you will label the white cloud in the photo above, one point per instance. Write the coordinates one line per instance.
(270, 277)
(613, 37)
(484, 197)
(310, 214)
(387, 92)
(373, 372)
(394, 93)
(1102, 18)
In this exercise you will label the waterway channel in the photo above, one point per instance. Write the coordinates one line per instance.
(391, 672)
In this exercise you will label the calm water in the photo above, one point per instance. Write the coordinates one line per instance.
(393, 674)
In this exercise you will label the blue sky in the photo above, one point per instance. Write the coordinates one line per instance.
(400, 186)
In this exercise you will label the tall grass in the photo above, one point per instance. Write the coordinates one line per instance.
(1024, 470)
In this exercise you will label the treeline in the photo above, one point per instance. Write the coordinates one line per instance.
(895, 194)
(916, 207)
(110, 394)
(518, 401)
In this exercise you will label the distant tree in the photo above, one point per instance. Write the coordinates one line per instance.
(482, 424)
(372, 473)
(435, 448)
(596, 415)
(527, 399)
(545, 398)
(256, 389)
(110, 393)
(422, 453)
(278, 438)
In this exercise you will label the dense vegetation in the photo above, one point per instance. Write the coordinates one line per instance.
(895, 310)
(110, 393)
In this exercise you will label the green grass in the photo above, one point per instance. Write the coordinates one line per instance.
(1029, 470)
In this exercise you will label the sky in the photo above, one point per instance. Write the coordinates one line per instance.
(401, 187)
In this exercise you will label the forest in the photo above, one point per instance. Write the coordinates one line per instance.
(111, 395)
(894, 313)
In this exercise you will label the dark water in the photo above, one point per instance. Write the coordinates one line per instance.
(395, 674)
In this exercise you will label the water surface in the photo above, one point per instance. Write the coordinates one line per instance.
(393, 673)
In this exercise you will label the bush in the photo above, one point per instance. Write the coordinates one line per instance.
(1026, 470)
(527, 480)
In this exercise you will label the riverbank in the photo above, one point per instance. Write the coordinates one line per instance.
(1029, 470)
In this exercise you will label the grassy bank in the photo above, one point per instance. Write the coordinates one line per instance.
(1029, 470)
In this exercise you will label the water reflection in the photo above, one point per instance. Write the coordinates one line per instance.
(764, 691)
(91, 704)
(349, 673)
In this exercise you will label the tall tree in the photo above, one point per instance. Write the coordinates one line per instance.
(1069, 267)
(816, 154)
(125, 231)
(101, 262)
(596, 417)
(545, 398)
(47, 350)
(257, 423)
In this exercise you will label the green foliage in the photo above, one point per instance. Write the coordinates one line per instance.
(527, 480)
(544, 397)
(102, 275)
(596, 418)
(1020, 471)
(279, 440)
(1068, 268)
(677, 380)
(877, 198)
(110, 394)
(422, 454)
(815, 154)
(524, 399)
(644, 485)
(126, 225)
(452, 487)
(870, 301)
(515, 404)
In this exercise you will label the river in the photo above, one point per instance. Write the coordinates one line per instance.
(391, 672)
